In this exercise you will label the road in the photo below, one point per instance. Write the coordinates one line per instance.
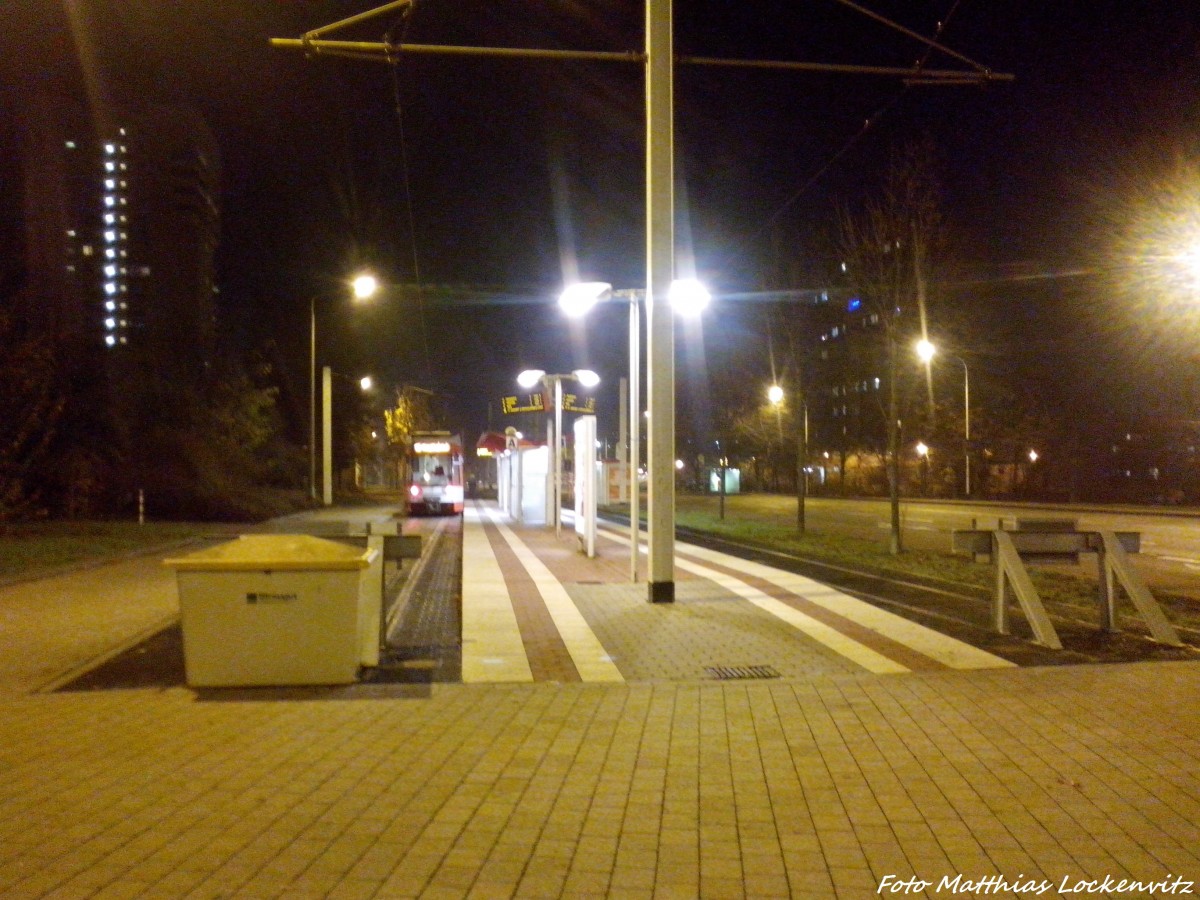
(1169, 559)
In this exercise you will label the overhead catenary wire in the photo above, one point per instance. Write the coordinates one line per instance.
(873, 119)
(408, 199)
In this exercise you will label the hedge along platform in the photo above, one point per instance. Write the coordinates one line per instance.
(272, 609)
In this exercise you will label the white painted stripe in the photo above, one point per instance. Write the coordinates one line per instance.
(591, 659)
(937, 646)
(949, 651)
(851, 649)
(492, 649)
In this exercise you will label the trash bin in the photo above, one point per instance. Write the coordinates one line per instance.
(273, 609)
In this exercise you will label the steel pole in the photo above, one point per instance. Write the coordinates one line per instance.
(558, 448)
(327, 436)
(967, 424)
(623, 440)
(635, 435)
(660, 270)
(312, 397)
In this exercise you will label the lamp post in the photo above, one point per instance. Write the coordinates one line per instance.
(576, 300)
(923, 454)
(365, 384)
(926, 351)
(363, 287)
(775, 395)
(528, 379)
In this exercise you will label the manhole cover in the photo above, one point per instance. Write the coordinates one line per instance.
(734, 673)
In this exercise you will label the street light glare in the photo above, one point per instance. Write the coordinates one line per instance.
(586, 377)
(365, 286)
(366, 382)
(775, 394)
(577, 299)
(688, 296)
(530, 377)
(925, 350)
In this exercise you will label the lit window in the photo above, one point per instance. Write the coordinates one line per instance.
(70, 145)
(110, 201)
(110, 288)
(110, 340)
(110, 306)
(123, 340)
(109, 183)
(110, 324)
(110, 236)
(876, 384)
(110, 148)
(86, 249)
(110, 253)
(122, 148)
(123, 167)
(109, 218)
(70, 232)
(110, 167)
(121, 132)
(124, 184)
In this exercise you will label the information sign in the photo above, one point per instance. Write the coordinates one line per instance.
(527, 403)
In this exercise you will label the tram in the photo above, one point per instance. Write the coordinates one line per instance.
(436, 482)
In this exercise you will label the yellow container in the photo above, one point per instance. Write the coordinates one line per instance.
(274, 609)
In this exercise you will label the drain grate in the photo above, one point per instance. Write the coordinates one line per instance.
(735, 673)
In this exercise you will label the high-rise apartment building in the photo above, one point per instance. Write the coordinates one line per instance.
(118, 224)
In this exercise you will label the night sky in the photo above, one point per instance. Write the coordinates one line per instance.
(523, 173)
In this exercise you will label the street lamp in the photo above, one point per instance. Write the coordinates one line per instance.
(926, 351)
(364, 286)
(775, 395)
(687, 297)
(528, 379)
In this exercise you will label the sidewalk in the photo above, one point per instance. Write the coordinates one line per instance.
(641, 782)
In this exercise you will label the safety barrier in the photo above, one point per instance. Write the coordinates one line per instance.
(1057, 541)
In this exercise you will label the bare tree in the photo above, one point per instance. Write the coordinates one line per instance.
(887, 247)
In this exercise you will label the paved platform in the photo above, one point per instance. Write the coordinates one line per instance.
(639, 776)
(536, 608)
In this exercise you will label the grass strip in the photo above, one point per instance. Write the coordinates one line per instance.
(33, 548)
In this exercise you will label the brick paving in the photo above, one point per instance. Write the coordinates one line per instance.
(818, 784)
